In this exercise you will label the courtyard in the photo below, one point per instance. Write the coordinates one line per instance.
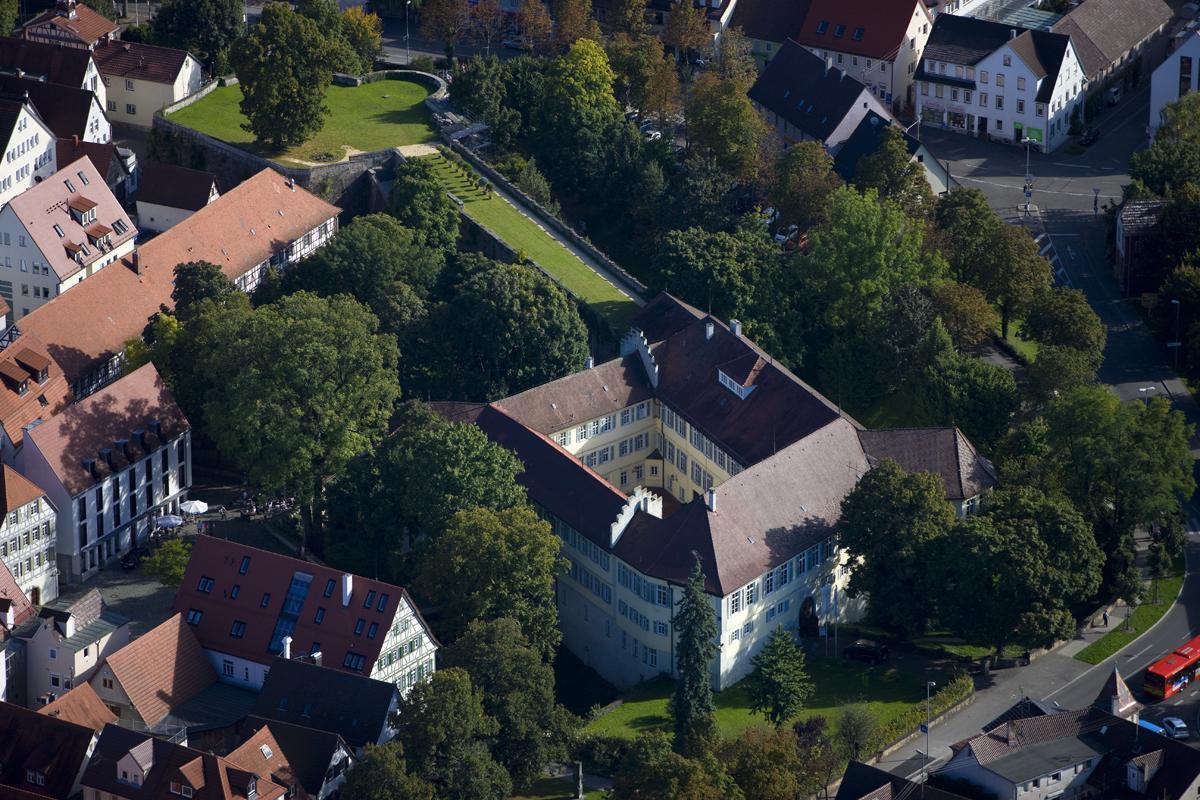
(374, 116)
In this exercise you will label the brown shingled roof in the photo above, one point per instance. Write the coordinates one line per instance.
(141, 61)
(262, 755)
(883, 25)
(82, 706)
(31, 741)
(55, 63)
(769, 20)
(162, 669)
(946, 452)
(17, 489)
(40, 401)
(87, 27)
(175, 186)
(581, 396)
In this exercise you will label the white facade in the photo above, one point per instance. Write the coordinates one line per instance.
(55, 663)
(1004, 103)
(863, 104)
(28, 155)
(1175, 77)
(295, 250)
(99, 128)
(156, 218)
(97, 525)
(134, 101)
(28, 539)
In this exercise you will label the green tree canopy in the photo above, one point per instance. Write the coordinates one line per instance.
(1180, 120)
(803, 182)
(1166, 163)
(491, 564)
(964, 228)
(652, 771)
(314, 386)
(205, 27)
(692, 706)
(1011, 274)
(446, 736)
(895, 174)
(283, 67)
(722, 122)
(765, 764)
(779, 685)
(888, 523)
(196, 281)
(422, 205)
(1062, 316)
(686, 29)
(518, 692)
(575, 22)
(975, 395)
(965, 311)
(363, 31)
(168, 563)
(382, 774)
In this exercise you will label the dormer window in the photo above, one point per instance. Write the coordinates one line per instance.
(729, 383)
(839, 30)
(120, 227)
(58, 229)
(70, 186)
(82, 177)
(822, 26)
(858, 35)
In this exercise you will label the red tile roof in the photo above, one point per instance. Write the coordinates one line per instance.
(145, 62)
(237, 232)
(54, 747)
(271, 574)
(87, 26)
(41, 400)
(162, 669)
(77, 435)
(12, 597)
(82, 706)
(262, 755)
(17, 490)
(871, 28)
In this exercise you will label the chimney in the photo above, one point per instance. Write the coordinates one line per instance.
(316, 657)
(106, 455)
(589, 363)
(735, 327)
(287, 647)
(828, 64)
(137, 263)
(1012, 33)
(347, 588)
(708, 330)
(710, 500)
(75, 140)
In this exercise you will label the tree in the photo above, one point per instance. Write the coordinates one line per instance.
(629, 17)
(283, 69)
(652, 771)
(422, 205)
(764, 764)
(168, 563)
(1062, 316)
(517, 686)
(1180, 121)
(1012, 273)
(1166, 163)
(804, 181)
(856, 729)
(8, 15)
(382, 774)
(686, 29)
(363, 31)
(975, 395)
(888, 523)
(314, 386)
(735, 58)
(965, 312)
(779, 685)
(196, 281)
(820, 756)
(722, 121)
(535, 24)
(722, 272)
(633, 60)
(446, 21)
(490, 564)
(575, 22)
(140, 33)
(663, 99)
(1020, 569)
(157, 346)
(701, 192)
(487, 23)
(505, 329)
(895, 174)
(446, 737)
(206, 28)
(1059, 369)
(964, 227)
(692, 705)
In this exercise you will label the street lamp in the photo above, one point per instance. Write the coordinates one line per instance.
(928, 720)
(1028, 177)
(1146, 393)
(1177, 343)
(407, 48)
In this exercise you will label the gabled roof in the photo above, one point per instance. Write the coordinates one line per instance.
(11, 597)
(965, 40)
(865, 141)
(54, 63)
(1105, 30)
(16, 490)
(863, 782)
(132, 403)
(272, 574)
(175, 186)
(1022, 709)
(162, 669)
(871, 28)
(81, 706)
(86, 26)
(102, 156)
(769, 20)
(64, 109)
(946, 452)
(209, 776)
(307, 751)
(354, 707)
(139, 61)
(53, 747)
(581, 396)
(1115, 696)
(240, 230)
(802, 89)
(263, 754)
(1043, 53)
(45, 209)
(21, 411)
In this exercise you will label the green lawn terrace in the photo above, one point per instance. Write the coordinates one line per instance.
(373, 116)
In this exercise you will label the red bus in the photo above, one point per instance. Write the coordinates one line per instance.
(1172, 672)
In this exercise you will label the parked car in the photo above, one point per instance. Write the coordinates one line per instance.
(653, 135)
(867, 651)
(1114, 95)
(1176, 728)
(1090, 136)
(786, 233)
(771, 215)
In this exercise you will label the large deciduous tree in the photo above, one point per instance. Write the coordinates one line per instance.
(803, 182)
(722, 122)
(888, 523)
(965, 311)
(283, 68)
(779, 685)
(652, 771)
(446, 21)
(1012, 273)
(1062, 316)
(196, 281)
(535, 24)
(491, 564)
(364, 33)
(382, 774)
(314, 386)
(420, 202)
(686, 28)
(765, 764)
(895, 174)
(692, 706)
(574, 21)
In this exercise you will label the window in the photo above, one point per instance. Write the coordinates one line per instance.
(747, 629)
(128, 85)
(194, 615)
(206, 585)
(358, 626)
(839, 30)
(238, 630)
(999, 78)
(370, 598)
(999, 102)
(822, 26)
(1007, 60)
(1020, 106)
(751, 594)
(661, 628)
(130, 109)
(735, 602)
(266, 600)
(81, 177)
(319, 617)
(858, 34)
(924, 89)
(1020, 84)
(372, 630)
(983, 76)
(1185, 75)
(735, 634)
(1039, 109)
(245, 565)
(227, 668)
(233, 592)
(329, 587)
(354, 661)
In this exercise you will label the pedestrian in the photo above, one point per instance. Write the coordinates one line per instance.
(1106, 617)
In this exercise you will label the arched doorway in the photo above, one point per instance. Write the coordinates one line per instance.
(35, 596)
(809, 625)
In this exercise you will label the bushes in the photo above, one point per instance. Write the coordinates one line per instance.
(601, 754)
(955, 691)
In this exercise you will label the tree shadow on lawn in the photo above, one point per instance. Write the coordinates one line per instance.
(413, 115)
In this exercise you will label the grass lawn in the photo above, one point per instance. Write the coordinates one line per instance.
(556, 789)
(1025, 347)
(523, 235)
(886, 693)
(1140, 621)
(386, 113)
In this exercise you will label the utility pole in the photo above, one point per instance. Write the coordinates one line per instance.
(407, 47)
(928, 721)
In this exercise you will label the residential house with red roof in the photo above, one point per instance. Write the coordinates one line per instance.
(142, 79)
(28, 536)
(110, 464)
(877, 42)
(168, 194)
(41, 755)
(52, 63)
(70, 24)
(81, 706)
(33, 388)
(695, 443)
(28, 146)
(311, 763)
(118, 165)
(60, 232)
(248, 606)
